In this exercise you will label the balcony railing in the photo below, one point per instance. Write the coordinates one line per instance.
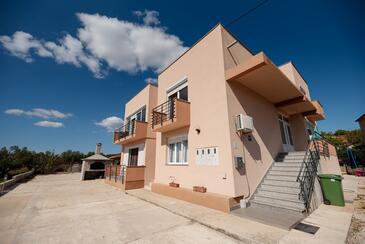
(164, 112)
(170, 115)
(131, 131)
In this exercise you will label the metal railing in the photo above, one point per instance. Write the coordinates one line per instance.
(124, 131)
(308, 170)
(164, 112)
(115, 173)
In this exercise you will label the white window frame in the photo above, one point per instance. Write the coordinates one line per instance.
(183, 151)
(134, 114)
(177, 87)
(141, 154)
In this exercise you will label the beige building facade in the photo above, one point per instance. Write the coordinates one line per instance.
(223, 116)
(137, 140)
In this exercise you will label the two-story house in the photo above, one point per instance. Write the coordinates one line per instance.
(233, 128)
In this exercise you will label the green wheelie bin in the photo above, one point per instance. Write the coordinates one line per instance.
(332, 189)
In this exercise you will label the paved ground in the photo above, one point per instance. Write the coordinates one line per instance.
(333, 222)
(61, 209)
(357, 228)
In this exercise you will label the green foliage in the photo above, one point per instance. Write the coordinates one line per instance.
(342, 139)
(15, 160)
(13, 172)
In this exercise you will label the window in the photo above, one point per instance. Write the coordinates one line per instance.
(185, 151)
(171, 152)
(179, 90)
(139, 115)
(178, 151)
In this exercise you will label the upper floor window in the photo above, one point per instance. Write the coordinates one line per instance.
(139, 115)
(179, 90)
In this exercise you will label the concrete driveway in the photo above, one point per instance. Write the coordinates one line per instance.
(61, 209)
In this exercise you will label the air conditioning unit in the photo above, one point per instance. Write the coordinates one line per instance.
(244, 123)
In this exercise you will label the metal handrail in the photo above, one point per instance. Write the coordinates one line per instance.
(125, 130)
(164, 112)
(308, 170)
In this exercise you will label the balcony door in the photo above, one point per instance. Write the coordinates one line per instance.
(133, 157)
(178, 90)
(286, 134)
(139, 115)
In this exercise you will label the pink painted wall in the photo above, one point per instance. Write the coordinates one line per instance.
(292, 73)
(299, 131)
(203, 66)
(146, 97)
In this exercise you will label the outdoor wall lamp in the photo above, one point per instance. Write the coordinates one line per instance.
(197, 129)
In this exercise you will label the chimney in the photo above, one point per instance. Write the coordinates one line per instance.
(98, 148)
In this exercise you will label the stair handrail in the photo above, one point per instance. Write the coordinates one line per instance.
(308, 170)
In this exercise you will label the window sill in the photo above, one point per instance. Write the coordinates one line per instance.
(174, 164)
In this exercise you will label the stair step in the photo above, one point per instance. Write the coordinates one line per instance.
(283, 189)
(285, 168)
(284, 173)
(298, 205)
(281, 177)
(292, 160)
(277, 195)
(281, 183)
(288, 164)
(273, 206)
(297, 153)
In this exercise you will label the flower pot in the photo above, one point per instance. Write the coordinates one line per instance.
(173, 184)
(200, 189)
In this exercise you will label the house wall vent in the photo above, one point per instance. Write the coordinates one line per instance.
(244, 123)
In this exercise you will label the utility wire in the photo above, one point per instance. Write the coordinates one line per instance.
(247, 12)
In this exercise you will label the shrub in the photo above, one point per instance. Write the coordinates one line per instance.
(14, 172)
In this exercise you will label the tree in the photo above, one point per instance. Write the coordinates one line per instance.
(5, 159)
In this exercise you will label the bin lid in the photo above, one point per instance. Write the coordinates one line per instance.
(330, 176)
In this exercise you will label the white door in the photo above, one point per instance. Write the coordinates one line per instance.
(286, 134)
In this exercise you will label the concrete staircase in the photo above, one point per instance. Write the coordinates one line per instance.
(279, 188)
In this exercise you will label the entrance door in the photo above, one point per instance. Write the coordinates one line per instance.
(133, 157)
(286, 135)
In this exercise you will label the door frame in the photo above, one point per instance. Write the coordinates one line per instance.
(288, 134)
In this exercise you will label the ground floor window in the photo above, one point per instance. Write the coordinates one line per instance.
(178, 150)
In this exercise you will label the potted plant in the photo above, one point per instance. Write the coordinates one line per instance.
(172, 183)
(200, 189)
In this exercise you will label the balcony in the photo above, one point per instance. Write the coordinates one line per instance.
(260, 75)
(130, 132)
(171, 115)
(315, 114)
(312, 109)
(263, 77)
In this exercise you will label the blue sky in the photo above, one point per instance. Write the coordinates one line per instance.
(65, 66)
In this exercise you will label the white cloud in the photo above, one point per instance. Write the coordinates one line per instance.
(21, 44)
(105, 43)
(46, 123)
(150, 80)
(149, 17)
(126, 46)
(70, 50)
(15, 111)
(39, 112)
(110, 123)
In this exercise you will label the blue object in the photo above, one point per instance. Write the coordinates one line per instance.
(352, 156)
